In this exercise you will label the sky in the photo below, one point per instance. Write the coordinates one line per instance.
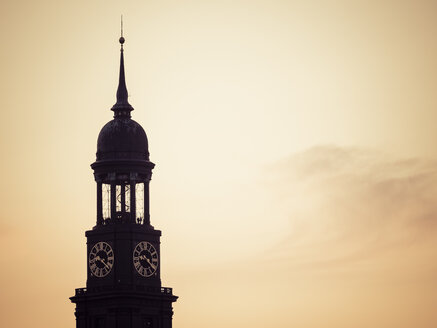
(294, 141)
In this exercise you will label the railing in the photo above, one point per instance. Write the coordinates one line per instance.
(167, 290)
(80, 291)
(161, 290)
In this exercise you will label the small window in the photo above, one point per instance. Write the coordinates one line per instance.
(139, 197)
(118, 197)
(127, 197)
(106, 201)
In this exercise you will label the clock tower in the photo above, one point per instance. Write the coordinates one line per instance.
(123, 288)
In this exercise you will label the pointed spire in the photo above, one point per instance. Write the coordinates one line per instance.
(122, 108)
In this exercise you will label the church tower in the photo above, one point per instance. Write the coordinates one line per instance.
(123, 288)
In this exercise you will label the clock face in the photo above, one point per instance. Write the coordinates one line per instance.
(101, 259)
(145, 259)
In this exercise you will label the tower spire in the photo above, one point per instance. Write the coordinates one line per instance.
(122, 108)
(121, 26)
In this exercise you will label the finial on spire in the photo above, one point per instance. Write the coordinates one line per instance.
(121, 33)
(122, 108)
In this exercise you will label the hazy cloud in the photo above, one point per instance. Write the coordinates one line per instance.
(351, 204)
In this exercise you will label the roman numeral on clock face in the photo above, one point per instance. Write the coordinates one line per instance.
(145, 259)
(101, 259)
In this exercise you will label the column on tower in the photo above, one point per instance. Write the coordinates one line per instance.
(133, 206)
(146, 204)
(99, 203)
(112, 181)
(122, 198)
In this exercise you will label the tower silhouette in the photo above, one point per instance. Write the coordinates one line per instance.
(123, 288)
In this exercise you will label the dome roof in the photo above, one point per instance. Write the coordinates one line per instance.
(122, 138)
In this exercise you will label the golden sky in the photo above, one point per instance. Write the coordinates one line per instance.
(295, 150)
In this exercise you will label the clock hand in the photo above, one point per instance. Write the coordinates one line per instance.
(106, 265)
(151, 264)
(95, 259)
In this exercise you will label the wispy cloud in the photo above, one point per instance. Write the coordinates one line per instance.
(351, 204)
